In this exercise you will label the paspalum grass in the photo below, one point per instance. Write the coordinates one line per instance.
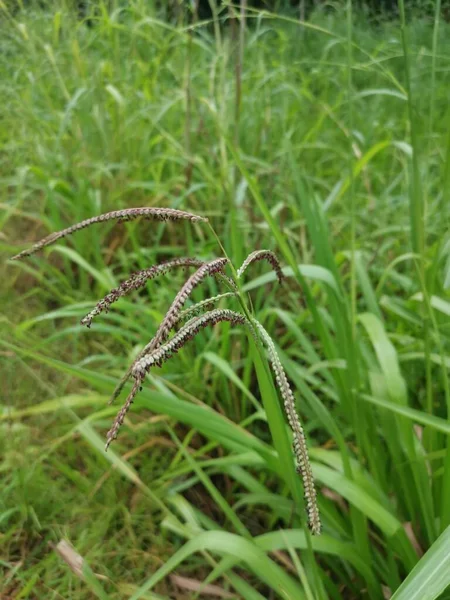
(199, 316)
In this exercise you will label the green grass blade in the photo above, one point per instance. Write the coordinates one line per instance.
(431, 576)
(230, 544)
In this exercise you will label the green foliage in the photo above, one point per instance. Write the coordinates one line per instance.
(341, 165)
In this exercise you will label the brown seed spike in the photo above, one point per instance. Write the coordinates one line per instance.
(263, 255)
(299, 445)
(112, 433)
(209, 268)
(213, 267)
(164, 352)
(127, 214)
(136, 281)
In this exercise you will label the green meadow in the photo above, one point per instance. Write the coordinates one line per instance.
(326, 141)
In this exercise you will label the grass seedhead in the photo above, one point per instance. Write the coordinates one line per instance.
(127, 214)
(135, 282)
(267, 255)
(299, 445)
(162, 347)
(165, 351)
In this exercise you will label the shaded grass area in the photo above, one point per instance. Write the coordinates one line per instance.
(317, 165)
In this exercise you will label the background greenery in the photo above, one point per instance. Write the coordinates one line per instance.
(315, 139)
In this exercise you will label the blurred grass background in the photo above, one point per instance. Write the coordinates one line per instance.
(315, 139)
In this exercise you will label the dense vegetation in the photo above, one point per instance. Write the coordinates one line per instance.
(319, 141)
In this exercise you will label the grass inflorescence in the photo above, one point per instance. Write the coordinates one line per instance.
(159, 350)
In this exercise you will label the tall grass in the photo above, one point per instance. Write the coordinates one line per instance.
(326, 147)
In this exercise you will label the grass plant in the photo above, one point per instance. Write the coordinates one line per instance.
(317, 140)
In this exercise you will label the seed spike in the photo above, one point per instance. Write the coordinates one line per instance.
(127, 214)
(112, 433)
(164, 352)
(136, 281)
(257, 255)
(299, 446)
(210, 268)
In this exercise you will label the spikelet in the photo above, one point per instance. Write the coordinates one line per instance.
(262, 255)
(165, 351)
(127, 214)
(300, 448)
(227, 281)
(136, 281)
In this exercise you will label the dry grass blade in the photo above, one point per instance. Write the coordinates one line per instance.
(267, 255)
(204, 589)
(71, 557)
(164, 352)
(128, 214)
(74, 560)
(136, 281)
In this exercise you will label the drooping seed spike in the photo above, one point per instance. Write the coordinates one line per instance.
(165, 351)
(299, 445)
(209, 268)
(126, 214)
(136, 281)
(112, 433)
(262, 255)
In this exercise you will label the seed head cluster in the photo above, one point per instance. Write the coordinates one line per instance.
(213, 267)
(161, 347)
